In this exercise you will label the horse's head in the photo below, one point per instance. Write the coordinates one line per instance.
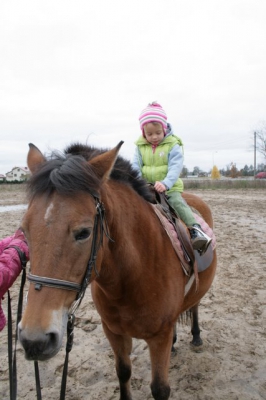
(60, 225)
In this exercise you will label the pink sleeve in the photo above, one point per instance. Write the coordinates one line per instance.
(10, 267)
(5, 242)
(10, 264)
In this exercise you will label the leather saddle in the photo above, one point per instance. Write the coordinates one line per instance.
(192, 261)
(169, 213)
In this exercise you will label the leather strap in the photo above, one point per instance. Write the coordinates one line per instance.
(12, 357)
(51, 282)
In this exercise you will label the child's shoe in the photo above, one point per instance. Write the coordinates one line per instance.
(200, 241)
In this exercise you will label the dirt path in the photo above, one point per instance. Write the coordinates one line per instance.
(232, 363)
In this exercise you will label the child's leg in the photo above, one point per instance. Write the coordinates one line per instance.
(200, 241)
(183, 210)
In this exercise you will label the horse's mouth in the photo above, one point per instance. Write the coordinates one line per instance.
(35, 352)
(40, 347)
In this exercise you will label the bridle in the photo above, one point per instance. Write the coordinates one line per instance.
(99, 229)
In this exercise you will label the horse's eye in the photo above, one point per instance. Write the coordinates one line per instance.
(83, 234)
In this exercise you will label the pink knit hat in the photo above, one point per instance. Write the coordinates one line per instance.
(153, 113)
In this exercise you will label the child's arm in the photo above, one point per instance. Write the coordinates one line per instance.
(137, 161)
(5, 242)
(175, 165)
(10, 263)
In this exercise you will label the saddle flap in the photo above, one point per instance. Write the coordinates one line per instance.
(181, 229)
(171, 231)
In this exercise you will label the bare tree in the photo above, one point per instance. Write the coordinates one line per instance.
(260, 136)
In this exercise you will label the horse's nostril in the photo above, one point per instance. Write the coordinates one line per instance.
(53, 339)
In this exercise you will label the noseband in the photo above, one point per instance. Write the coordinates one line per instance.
(100, 227)
(41, 281)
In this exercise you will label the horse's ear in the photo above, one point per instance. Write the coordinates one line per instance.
(35, 158)
(103, 164)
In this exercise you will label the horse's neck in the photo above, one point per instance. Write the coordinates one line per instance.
(135, 229)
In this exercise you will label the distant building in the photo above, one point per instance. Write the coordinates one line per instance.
(203, 174)
(2, 178)
(19, 174)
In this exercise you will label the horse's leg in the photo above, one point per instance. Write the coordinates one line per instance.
(122, 346)
(173, 350)
(195, 330)
(160, 350)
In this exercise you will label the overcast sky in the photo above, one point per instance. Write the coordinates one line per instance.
(83, 71)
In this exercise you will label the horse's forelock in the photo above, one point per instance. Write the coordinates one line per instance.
(65, 174)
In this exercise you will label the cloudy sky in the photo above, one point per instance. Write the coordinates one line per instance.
(83, 70)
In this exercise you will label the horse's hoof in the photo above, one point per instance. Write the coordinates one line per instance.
(196, 345)
(197, 341)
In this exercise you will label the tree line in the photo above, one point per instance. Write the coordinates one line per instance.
(231, 170)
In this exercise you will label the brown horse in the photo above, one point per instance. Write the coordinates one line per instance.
(89, 204)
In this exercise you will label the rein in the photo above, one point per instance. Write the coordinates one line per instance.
(12, 359)
(99, 229)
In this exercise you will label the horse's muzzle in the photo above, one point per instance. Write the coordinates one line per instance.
(39, 346)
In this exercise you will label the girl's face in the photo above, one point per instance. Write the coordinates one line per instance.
(153, 132)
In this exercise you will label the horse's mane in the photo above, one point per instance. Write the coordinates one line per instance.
(69, 172)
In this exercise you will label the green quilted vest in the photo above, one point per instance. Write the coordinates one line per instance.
(155, 165)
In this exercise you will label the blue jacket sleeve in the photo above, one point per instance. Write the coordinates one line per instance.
(137, 161)
(175, 165)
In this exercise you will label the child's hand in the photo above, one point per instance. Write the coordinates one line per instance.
(159, 187)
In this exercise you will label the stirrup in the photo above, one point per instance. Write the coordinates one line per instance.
(201, 245)
(207, 244)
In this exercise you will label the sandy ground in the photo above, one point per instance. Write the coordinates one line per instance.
(232, 362)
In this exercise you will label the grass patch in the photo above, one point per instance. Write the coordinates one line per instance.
(213, 184)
